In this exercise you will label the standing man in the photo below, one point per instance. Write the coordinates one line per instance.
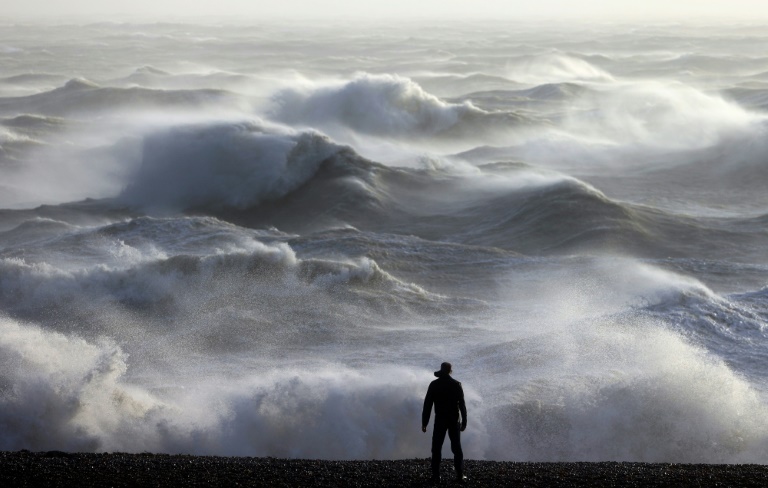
(448, 397)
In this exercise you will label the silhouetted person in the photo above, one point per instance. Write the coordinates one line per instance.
(448, 397)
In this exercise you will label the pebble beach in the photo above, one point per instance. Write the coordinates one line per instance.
(56, 468)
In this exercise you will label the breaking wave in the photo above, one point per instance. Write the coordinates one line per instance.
(386, 106)
(226, 165)
(244, 248)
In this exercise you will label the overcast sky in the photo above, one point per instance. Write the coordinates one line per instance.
(513, 9)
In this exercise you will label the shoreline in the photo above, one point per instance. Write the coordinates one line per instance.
(57, 468)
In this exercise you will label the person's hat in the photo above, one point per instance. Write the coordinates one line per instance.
(445, 369)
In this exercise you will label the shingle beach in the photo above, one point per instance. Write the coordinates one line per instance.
(57, 468)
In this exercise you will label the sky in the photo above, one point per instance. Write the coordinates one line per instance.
(374, 9)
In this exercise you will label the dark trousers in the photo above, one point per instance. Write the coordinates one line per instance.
(438, 436)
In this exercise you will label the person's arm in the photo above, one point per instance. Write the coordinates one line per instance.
(462, 408)
(427, 411)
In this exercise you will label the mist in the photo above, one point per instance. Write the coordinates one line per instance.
(252, 11)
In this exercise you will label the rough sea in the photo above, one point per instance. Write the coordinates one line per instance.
(261, 239)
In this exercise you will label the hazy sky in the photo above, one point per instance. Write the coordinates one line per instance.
(598, 9)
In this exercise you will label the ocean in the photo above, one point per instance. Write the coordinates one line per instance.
(261, 239)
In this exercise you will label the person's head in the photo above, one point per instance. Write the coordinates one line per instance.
(445, 370)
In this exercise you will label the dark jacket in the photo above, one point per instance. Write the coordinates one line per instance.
(448, 397)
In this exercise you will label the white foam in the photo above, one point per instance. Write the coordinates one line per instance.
(383, 105)
(633, 391)
(141, 275)
(555, 67)
(658, 115)
(624, 391)
(591, 377)
(61, 392)
(327, 413)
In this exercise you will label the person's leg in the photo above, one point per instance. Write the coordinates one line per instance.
(454, 434)
(438, 436)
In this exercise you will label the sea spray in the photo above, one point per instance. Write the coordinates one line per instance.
(262, 241)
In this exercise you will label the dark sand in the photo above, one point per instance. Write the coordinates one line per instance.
(117, 469)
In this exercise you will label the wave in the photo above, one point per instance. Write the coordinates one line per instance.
(554, 91)
(555, 67)
(620, 125)
(510, 207)
(457, 85)
(659, 400)
(733, 64)
(732, 327)
(80, 97)
(29, 83)
(751, 98)
(14, 144)
(258, 176)
(26, 133)
(608, 375)
(151, 77)
(144, 272)
(654, 114)
(29, 231)
(547, 100)
(149, 71)
(520, 220)
(51, 391)
(435, 262)
(78, 395)
(386, 106)
(229, 165)
(127, 242)
(532, 221)
(34, 122)
(674, 405)
(32, 79)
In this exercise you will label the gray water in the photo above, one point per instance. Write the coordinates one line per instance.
(260, 240)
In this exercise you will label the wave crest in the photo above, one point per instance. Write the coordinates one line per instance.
(385, 105)
(228, 165)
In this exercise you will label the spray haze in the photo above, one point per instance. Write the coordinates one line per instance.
(261, 239)
(454, 9)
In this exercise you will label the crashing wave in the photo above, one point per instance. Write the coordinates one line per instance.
(384, 105)
(229, 165)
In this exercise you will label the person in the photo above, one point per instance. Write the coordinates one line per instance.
(447, 395)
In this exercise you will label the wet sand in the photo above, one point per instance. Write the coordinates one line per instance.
(57, 468)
